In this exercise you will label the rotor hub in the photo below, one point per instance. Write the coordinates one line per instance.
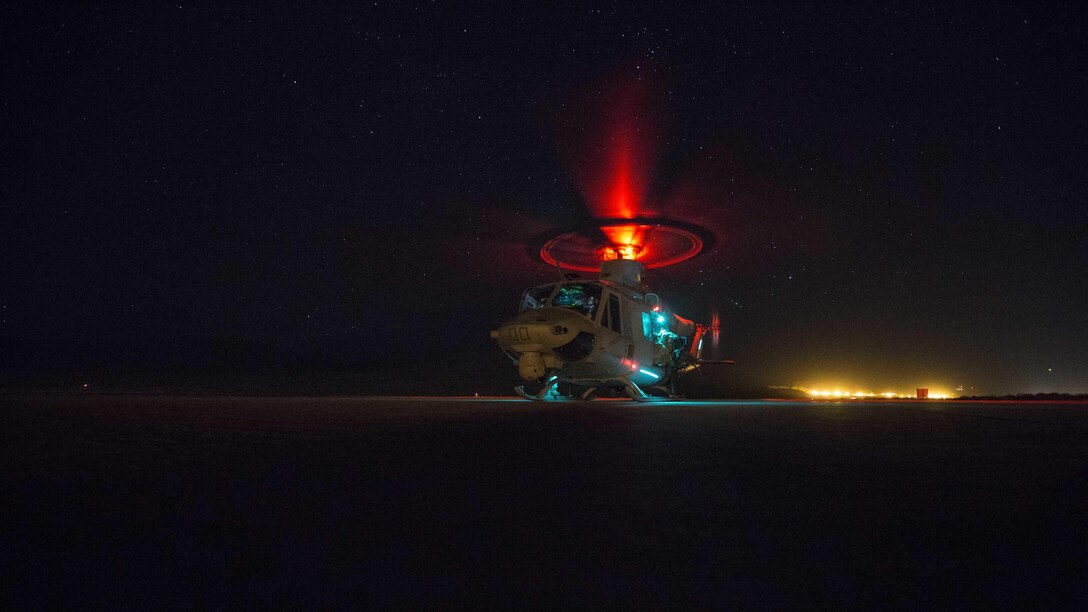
(653, 242)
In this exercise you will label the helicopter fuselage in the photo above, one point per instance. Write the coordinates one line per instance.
(603, 333)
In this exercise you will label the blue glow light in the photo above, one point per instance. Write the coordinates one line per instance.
(649, 373)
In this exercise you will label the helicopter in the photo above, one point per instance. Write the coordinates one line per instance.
(612, 332)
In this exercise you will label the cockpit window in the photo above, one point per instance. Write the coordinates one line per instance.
(582, 297)
(536, 297)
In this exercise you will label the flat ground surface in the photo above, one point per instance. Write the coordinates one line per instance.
(150, 501)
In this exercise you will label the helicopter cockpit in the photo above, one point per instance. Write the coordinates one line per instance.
(582, 298)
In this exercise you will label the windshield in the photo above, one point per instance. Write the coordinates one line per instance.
(582, 297)
(535, 297)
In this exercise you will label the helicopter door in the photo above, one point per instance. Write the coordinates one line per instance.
(610, 316)
(639, 331)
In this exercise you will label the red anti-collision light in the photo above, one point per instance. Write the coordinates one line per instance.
(619, 251)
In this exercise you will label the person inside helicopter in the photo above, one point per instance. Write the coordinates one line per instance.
(580, 297)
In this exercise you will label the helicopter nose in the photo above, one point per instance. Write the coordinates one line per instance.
(537, 331)
(518, 336)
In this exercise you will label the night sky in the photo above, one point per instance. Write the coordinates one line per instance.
(225, 193)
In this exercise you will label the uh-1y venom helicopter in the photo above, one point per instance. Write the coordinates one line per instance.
(611, 332)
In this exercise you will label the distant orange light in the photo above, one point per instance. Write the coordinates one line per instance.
(866, 394)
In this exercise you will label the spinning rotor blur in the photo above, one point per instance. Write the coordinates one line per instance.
(653, 242)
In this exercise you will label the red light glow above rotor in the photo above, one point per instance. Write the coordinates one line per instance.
(623, 195)
(609, 146)
(627, 235)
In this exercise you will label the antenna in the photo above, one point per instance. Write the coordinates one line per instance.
(564, 275)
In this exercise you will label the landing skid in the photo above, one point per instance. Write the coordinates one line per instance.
(668, 392)
(634, 392)
(520, 390)
(549, 392)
